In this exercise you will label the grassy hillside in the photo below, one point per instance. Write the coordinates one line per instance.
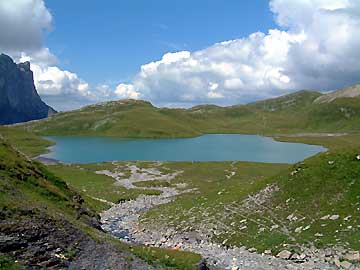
(58, 228)
(128, 118)
(292, 208)
(139, 119)
(26, 141)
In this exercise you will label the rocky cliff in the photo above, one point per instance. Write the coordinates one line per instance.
(19, 100)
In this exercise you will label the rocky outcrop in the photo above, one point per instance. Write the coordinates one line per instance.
(348, 92)
(19, 100)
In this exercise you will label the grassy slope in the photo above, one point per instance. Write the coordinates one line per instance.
(122, 119)
(29, 185)
(317, 190)
(138, 119)
(26, 141)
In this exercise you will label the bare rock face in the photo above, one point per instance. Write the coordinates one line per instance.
(19, 100)
(348, 92)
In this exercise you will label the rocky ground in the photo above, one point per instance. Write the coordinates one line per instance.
(123, 221)
(39, 241)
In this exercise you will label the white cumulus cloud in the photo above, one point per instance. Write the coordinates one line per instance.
(317, 45)
(22, 23)
(126, 91)
(22, 26)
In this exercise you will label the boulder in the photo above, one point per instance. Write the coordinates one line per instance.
(202, 266)
(285, 255)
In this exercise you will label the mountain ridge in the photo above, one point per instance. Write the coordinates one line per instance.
(293, 113)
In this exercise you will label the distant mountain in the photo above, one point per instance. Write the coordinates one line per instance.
(19, 100)
(303, 111)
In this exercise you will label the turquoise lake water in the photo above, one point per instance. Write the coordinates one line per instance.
(215, 147)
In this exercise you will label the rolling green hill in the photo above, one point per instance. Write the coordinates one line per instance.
(293, 113)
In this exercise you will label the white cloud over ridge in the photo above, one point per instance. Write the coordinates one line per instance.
(317, 46)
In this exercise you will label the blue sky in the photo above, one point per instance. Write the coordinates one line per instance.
(108, 43)
(182, 53)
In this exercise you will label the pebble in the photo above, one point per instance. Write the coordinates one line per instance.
(334, 217)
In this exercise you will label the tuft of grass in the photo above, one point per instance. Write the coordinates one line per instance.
(169, 259)
(7, 263)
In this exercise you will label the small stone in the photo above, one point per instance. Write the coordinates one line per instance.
(353, 256)
(328, 253)
(290, 217)
(334, 217)
(298, 229)
(331, 162)
(358, 157)
(267, 252)
(285, 254)
(345, 264)
(337, 262)
(325, 217)
(202, 266)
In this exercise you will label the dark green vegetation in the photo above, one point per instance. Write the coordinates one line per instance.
(294, 113)
(7, 263)
(57, 227)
